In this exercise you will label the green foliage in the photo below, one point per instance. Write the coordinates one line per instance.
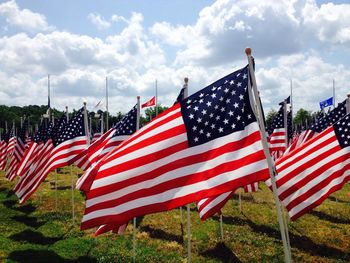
(151, 113)
(270, 116)
(303, 117)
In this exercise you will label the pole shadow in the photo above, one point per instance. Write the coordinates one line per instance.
(161, 234)
(221, 252)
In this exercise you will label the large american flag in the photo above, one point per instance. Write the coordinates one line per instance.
(60, 150)
(104, 145)
(204, 146)
(309, 174)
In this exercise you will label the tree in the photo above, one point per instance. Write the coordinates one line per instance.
(303, 117)
(270, 116)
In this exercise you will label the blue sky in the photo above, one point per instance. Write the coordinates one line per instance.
(134, 43)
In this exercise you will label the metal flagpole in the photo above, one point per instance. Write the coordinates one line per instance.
(156, 98)
(134, 220)
(333, 94)
(90, 125)
(188, 205)
(107, 123)
(291, 99)
(287, 254)
(71, 176)
(240, 201)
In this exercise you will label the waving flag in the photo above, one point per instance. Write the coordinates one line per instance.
(206, 145)
(309, 174)
(3, 148)
(151, 102)
(63, 147)
(105, 144)
(326, 103)
(277, 132)
(20, 148)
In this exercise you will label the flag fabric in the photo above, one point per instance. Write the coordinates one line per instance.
(326, 103)
(151, 102)
(61, 148)
(3, 149)
(251, 188)
(33, 152)
(277, 132)
(206, 145)
(181, 95)
(11, 143)
(18, 154)
(105, 144)
(208, 207)
(309, 174)
(325, 121)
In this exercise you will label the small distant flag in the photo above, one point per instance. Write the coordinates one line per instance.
(326, 103)
(151, 102)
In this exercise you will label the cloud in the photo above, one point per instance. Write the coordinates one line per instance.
(99, 21)
(23, 18)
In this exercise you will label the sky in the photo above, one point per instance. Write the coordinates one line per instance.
(303, 44)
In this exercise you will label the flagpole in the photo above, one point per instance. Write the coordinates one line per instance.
(188, 205)
(333, 94)
(107, 123)
(156, 97)
(221, 228)
(291, 101)
(134, 219)
(287, 254)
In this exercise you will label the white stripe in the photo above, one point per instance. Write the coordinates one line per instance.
(178, 192)
(168, 159)
(312, 199)
(214, 203)
(314, 182)
(186, 171)
(304, 173)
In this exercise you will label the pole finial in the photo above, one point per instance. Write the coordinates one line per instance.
(84, 103)
(248, 51)
(186, 80)
(138, 97)
(348, 95)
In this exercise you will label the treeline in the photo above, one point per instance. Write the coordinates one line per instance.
(34, 114)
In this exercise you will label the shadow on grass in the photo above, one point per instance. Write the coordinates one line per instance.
(221, 252)
(3, 189)
(248, 198)
(10, 193)
(332, 219)
(301, 242)
(34, 238)
(332, 198)
(43, 256)
(61, 187)
(28, 221)
(161, 234)
(10, 204)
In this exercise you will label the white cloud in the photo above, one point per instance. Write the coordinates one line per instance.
(99, 21)
(23, 18)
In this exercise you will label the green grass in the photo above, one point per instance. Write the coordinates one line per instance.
(40, 231)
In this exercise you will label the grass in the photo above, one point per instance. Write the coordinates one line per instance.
(42, 230)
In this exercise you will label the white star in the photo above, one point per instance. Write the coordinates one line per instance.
(204, 112)
(201, 131)
(191, 116)
(222, 109)
(196, 139)
(194, 128)
(199, 120)
(244, 76)
(201, 95)
(212, 126)
(211, 115)
(238, 118)
(230, 113)
(235, 105)
(228, 100)
(225, 121)
(226, 90)
(213, 95)
(239, 84)
(241, 97)
(195, 108)
(208, 134)
(206, 123)
(232, 82)
(221, 129)
(209, 103)
(201, 101)
(233, 125)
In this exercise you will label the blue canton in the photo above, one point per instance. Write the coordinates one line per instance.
(342, 131)
(219, 109)
(127, 125)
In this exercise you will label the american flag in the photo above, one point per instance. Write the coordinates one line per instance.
(18, 154)
(309, 174)
(208, 207)
(3, 148)
(11, 143)
(277, 132)
(204, 146)
(151, 102)
(60, 149)
(105, 144)
(33, 151)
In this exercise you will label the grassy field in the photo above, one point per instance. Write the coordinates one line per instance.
(42, 230)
